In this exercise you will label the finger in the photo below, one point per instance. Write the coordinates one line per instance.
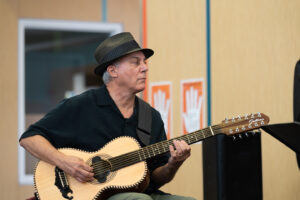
(184, 146)
(84, 175)
(199, 103)
(185, 118)
(195, 99)
(161, 94)
(185, 149)
(155, 100)
(187, 97)
(178, 148)
(192, 97)
(172, 151)
(167, 106)
(79, 179)
(86, 167)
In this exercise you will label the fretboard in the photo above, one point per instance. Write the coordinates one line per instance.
(156, 149)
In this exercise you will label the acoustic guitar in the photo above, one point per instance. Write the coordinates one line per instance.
(120, 166)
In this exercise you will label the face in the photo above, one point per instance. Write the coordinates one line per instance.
(131, 72)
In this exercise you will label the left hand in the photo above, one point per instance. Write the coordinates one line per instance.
(182, 152)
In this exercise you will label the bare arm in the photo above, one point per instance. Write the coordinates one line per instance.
(166, 173)
(41, 148)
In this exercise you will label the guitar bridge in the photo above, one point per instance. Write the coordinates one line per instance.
(62, 184)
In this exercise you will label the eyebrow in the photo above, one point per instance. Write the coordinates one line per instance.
(144, 58)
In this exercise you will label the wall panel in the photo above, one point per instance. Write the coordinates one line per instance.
(8, 99)
(255, 47)
(176, 32)
(10, 12)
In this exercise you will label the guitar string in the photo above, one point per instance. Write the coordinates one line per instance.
(159, 146)
(133, 157)
(125, 162)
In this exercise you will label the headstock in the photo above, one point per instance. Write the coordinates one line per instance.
(243, 124)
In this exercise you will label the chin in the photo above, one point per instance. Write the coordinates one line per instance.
(140, 88)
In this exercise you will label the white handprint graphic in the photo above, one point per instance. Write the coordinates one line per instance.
(162, 106)
(193, 107)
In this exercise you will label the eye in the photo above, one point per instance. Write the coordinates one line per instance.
(135, 61)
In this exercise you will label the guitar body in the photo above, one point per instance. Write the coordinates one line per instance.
(120, 165)
(131, 178)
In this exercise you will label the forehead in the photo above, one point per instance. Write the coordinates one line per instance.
(138, 54)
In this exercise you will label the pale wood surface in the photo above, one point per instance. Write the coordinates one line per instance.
(255, 46)
(10, 12)
(176, 32)
(127, 177)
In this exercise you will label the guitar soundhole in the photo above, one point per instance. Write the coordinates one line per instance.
(102, 169)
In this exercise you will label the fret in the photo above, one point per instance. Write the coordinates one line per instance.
(166, 146)
(193, 138)
(143, 154)
(152, 151)
(211, 130)
(196, 133)
(188, 138)
(147, 152)
(163, 146)
(202, 134)
(158, 149)
(139, 155)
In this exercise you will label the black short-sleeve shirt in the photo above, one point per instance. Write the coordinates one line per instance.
(90, 120)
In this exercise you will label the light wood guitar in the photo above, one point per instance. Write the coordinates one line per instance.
(120, 165)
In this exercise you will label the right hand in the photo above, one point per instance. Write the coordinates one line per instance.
(77, 168)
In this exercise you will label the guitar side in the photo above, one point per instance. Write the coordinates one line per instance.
(131, 178)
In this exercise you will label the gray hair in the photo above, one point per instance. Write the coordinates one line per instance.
(106, 76)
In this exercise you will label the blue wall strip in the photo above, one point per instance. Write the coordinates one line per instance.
(208, 74)
(104, 10)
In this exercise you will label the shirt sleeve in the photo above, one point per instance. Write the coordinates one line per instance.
(55, 125)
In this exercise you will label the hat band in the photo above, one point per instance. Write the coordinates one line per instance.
(120, 51)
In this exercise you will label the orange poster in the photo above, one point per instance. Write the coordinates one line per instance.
(161, 100)
(192, 105)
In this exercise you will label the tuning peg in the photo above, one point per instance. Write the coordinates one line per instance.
(246, 116)
(233, 119)
(258, 114)
(246, 134)
(226, 120)
(252, 116)
(240, 136)
(239, 117)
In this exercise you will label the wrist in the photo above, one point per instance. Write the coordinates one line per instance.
(174, 165)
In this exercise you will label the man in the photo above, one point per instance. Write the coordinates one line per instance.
(92, 119)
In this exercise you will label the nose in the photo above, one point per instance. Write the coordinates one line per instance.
(144, 67)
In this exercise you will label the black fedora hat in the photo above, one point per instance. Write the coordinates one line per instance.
(115, 47)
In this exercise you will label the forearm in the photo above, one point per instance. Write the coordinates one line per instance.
(42, 149)
(165, 173)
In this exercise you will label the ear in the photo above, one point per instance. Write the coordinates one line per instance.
(112, 70)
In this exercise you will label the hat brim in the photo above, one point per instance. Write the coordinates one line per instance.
(100, 69)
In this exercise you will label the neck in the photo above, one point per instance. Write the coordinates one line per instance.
(124, 99)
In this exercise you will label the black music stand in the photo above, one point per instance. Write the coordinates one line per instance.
(288, 134)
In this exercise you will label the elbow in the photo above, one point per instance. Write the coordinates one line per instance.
(22, 143)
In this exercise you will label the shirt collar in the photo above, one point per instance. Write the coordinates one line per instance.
(102, 97)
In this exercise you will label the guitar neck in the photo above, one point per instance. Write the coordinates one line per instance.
(156, 149)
